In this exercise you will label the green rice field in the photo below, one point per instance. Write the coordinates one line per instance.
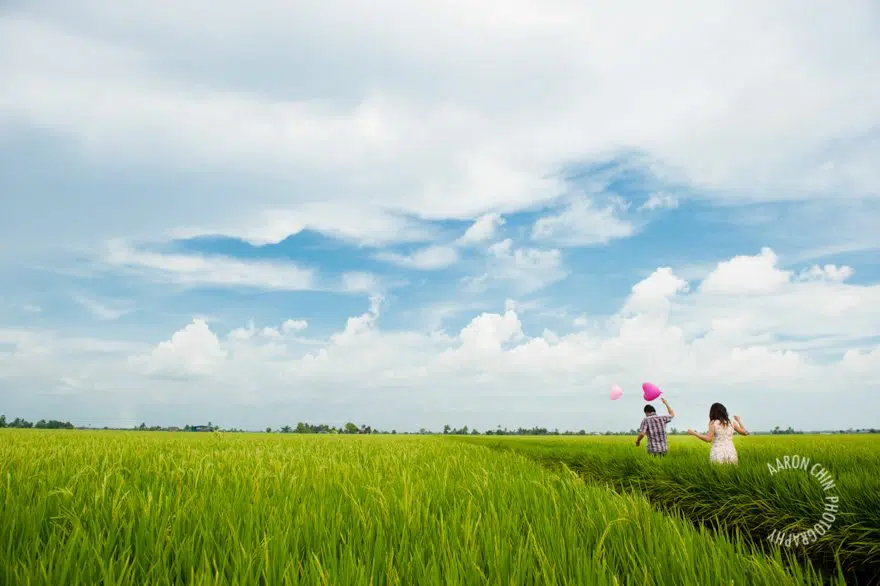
(832, 480)
(103, 507)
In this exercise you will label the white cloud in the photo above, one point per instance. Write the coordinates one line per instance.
(432, 316)
(489, 331)
(747, 275)
(862, 361)
(194, 269)
(105, 310)
(292, 325)
(193, 351)
(355, 223)
(583, 224)
(426, 116)
(482, 230)
(475, 283)
(360, 282)
(516, 270)
(359, 328)
(17, 306)
(660, 201)
(36, 360)
(652, 295)
(525, 269)
(826, 273)
(425, 259)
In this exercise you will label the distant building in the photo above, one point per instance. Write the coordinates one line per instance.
(201, 428)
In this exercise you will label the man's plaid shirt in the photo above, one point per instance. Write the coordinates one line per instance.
(654, 427)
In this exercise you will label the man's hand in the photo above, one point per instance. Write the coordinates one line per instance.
(637, 442)
(692, 431)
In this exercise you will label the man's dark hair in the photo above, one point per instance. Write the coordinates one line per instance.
(649, 409)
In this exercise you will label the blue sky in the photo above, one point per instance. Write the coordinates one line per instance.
(314, 213)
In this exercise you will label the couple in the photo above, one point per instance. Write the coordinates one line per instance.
(720, 433)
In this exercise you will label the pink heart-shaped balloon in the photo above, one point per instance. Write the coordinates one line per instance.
(650, 391)
(616, 392)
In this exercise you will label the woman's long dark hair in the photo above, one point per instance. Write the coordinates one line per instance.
(718, 412)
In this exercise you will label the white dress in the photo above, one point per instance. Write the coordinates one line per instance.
(723, 450)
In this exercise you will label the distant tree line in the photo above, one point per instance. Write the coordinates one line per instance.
(449, 430)
(352, 428)
(20, 423)
(788, 431)
(304, 427)
(851, 430)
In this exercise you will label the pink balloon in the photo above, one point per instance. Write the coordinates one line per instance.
(650, 391)
(616, 392)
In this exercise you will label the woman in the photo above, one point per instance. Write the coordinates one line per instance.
(720, 435)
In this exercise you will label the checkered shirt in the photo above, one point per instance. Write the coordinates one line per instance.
(654, 427)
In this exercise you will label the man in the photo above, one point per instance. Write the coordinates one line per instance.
(654, 426)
